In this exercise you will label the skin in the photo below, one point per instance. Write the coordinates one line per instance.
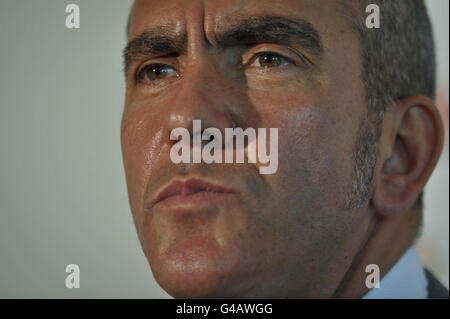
(284, 235)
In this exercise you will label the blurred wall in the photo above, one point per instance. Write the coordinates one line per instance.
(63, 197)
(433, 245)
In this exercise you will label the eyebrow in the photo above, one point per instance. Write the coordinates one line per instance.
(162, 41)
(273, 30)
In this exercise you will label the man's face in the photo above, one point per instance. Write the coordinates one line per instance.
(257, 64)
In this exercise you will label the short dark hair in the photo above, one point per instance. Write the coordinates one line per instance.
(399, 57)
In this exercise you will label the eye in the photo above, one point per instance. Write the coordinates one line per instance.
(156, 72)
(270, 60)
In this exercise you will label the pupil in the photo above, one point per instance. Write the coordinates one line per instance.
(156, 72)
(269, 60)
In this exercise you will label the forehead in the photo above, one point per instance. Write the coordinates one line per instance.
(216, 14)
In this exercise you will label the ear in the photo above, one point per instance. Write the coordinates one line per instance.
(409, 148)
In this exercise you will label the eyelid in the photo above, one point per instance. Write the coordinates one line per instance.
(141, 69)
(257, 56)
(290, 54)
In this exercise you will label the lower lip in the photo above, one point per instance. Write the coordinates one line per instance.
(195, 200)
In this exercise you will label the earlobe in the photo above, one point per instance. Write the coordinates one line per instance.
(410, 147)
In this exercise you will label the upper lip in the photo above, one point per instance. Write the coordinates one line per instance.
(188, 187)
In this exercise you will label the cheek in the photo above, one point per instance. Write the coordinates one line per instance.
(139, 151)
(313, 149)
(299, 122)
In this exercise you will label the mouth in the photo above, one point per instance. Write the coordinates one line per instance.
(191, 193)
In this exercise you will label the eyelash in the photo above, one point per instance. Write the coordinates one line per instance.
(259, 55)
(141, 73)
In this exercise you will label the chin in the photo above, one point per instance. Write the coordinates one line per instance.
(204, 285)
(197, 267)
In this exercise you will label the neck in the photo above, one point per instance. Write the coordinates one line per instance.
(389, 240)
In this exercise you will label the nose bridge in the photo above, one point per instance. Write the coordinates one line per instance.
(201, 96)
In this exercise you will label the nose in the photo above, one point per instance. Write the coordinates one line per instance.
(203, 95)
